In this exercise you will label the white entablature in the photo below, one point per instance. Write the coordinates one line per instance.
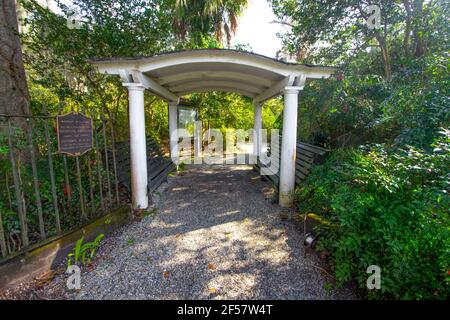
(172, 75)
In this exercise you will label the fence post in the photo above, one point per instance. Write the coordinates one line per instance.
(67, 182)
(37, 194)
(68, 188)
(8, 192)
(19, 200)
(113, 148)
(52, 172)
(91, 187)
(3, 247)
(80, 190)
(102, 117)
(99, 168)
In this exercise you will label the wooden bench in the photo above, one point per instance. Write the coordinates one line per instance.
(307, 156)
(158, 166)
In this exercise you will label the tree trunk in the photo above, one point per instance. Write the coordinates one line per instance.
(381, 38)
(419, 47)
(407, 33)
(14, 96)
(387, 62)
(386, 57)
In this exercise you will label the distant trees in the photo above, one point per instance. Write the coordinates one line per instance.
(394, 70)
(57, 57)
(331, 30)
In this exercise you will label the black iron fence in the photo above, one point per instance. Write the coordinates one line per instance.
(44, 193)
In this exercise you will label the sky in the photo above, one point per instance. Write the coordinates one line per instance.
(255, 27)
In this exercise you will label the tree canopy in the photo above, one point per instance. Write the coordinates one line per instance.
(57, 55)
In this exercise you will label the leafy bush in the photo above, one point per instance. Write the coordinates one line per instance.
(361, 107)
(385, 207)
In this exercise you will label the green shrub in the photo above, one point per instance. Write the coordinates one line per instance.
(83, 253)
(360, 107)
(385, 207)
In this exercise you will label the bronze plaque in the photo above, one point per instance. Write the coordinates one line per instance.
(74, 134)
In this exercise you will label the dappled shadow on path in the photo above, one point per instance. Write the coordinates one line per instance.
(215, 236)
(216, 221)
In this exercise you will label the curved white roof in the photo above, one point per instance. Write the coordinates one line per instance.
(172, 75)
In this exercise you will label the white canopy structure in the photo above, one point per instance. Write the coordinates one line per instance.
(175, 74)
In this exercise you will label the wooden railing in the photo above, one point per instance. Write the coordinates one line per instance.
(158, 166)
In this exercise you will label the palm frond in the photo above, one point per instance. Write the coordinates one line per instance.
(233, 22)
(212, 6)
(227, 33)
(218, 29)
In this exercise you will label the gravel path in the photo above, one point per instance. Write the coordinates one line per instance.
(213, 233)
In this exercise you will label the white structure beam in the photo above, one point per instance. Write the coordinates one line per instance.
(153, 86)
(275, 89)
(218, 84)
(210, 60)
(217, 75)
(138, 146)
(173, 131)
(217, 57)
(257, 126)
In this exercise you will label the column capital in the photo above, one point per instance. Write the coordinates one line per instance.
(132, 86)
(292, 89)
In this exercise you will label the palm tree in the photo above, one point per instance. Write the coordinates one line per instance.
(205, 16)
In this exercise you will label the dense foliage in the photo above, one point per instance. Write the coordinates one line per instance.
(329, 31)
(387, 207)
(361, 107)
(57, 57)
(382, 195)
(67, 191)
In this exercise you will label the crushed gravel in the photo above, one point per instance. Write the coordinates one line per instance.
(213, 232)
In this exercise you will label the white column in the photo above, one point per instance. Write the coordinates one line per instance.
(173, 126)
(138, 146)
(288, 146)
(197, 139)
(257, 126)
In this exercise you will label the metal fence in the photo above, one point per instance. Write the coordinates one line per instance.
(44, 193)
